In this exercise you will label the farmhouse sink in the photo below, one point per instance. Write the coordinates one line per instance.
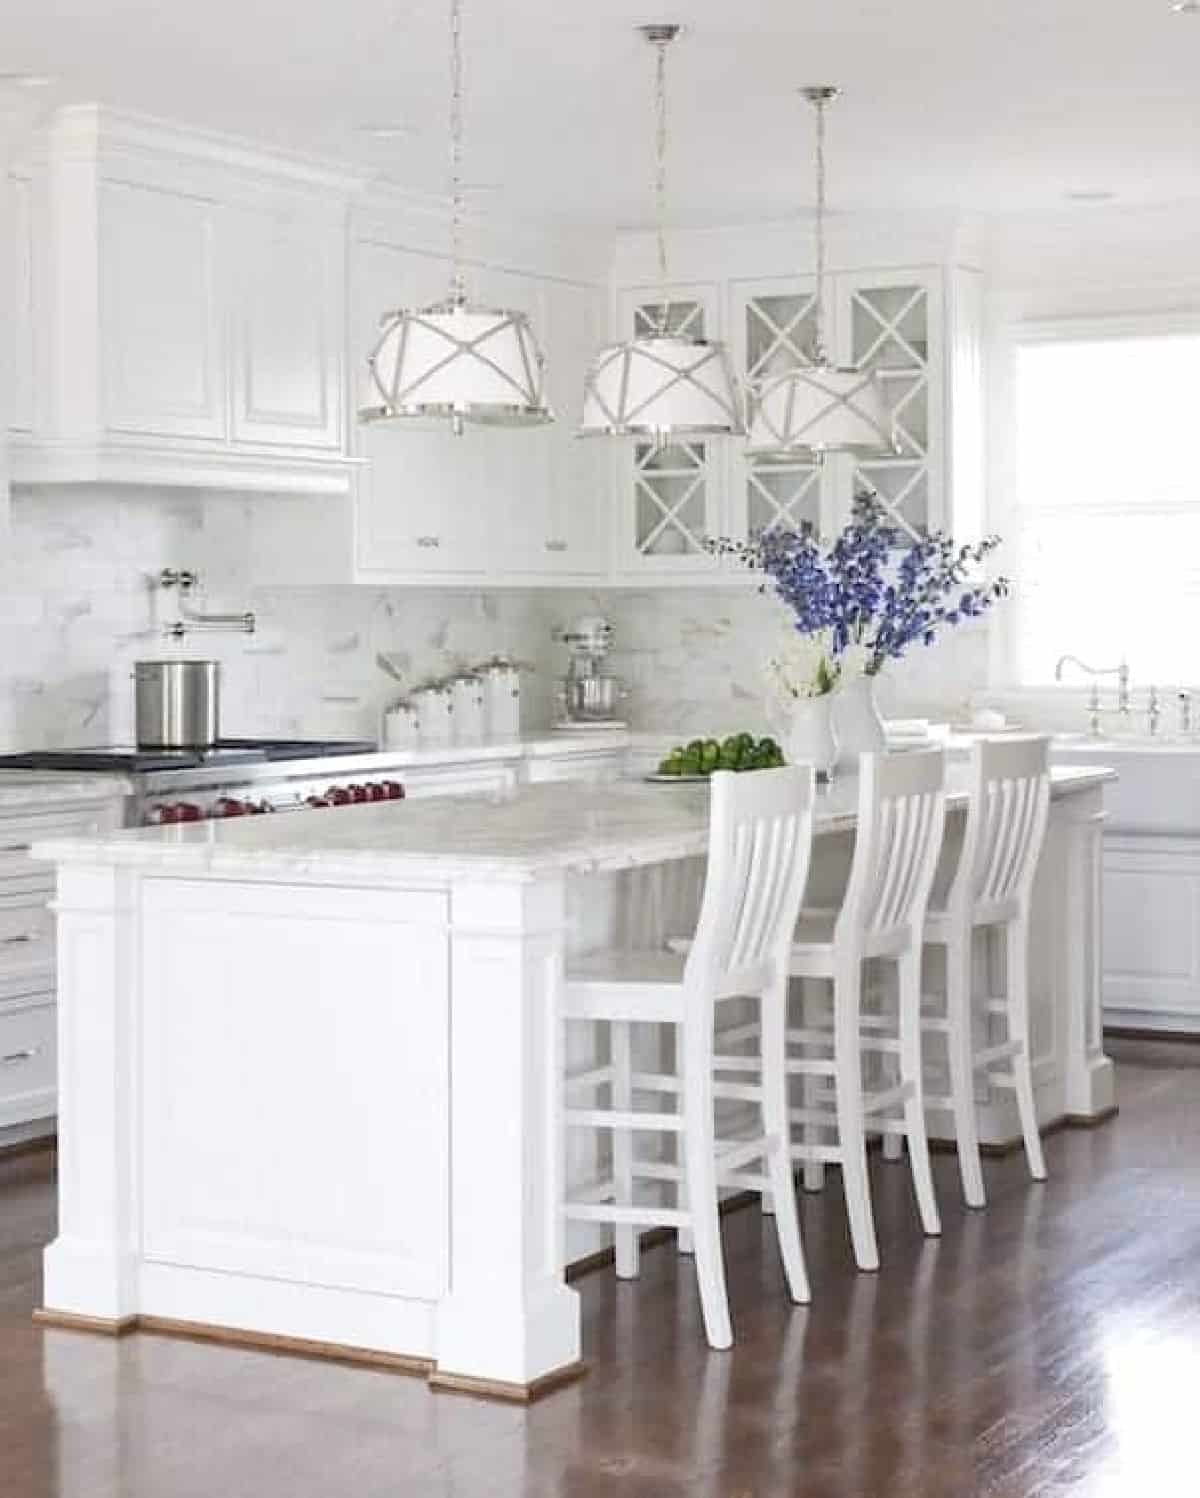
(1158, 791)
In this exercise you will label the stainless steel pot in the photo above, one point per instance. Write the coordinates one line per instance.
(177, 704)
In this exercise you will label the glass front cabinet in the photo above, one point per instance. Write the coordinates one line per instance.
(917, 328)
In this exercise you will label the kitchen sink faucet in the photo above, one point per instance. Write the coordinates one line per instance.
(1095, 711)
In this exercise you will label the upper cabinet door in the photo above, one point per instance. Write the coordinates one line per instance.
(673, 494)
(160, 313)
(891, 323)
(288, 278)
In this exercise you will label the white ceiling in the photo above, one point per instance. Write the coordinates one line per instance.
(950, 105)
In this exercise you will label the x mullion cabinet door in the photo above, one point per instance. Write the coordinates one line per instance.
(672, 494)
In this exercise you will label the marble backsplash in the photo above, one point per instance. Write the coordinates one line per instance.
(79, 604)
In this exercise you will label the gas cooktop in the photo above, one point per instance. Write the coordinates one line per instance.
(124, 759)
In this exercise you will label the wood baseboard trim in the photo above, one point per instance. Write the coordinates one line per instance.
(498, 1389)
(98, 1326)
(305, 1347)
(1147, 1032)
(1089, 1120)
(43, 1144)
(273, 1342)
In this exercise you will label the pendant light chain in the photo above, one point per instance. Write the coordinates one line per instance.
(457, 277)
(660, 176)
(819, 307)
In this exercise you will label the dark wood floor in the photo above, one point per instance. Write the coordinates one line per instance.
(1047, 1347)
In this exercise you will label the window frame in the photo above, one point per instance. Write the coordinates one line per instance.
(1003, 508)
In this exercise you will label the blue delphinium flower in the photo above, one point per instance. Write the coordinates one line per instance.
(872, 588)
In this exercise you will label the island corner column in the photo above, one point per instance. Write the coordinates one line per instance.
(509, 1325)
(90, 1275)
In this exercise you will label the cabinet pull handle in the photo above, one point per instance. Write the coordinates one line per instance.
(14, 1058)
(13, 941)
(16, 848)
(429, 542)
(556, 546)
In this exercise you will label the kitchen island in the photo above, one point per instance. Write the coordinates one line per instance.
(310, 1071)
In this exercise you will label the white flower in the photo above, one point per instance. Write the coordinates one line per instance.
(801, 667)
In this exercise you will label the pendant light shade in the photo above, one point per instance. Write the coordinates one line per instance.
(658, 387)
(455, 360)
(819, 408)
(663, 385)
(464, 363)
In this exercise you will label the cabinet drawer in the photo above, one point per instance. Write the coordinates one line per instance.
(18, 834)
(28, 1062)
(26, 935)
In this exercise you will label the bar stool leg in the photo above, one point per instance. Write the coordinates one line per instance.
(960, 1045)
(1016, 978)
(621, 1049)
(775, 1122)
(684, 1239)
(852, 1141)
(911, 1063)
(700, 1173)
(810, 1096)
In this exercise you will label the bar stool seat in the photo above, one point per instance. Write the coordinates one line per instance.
(901, 811)
(760, 838)
(991, 889)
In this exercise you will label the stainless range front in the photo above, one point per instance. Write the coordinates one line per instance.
(235, 778)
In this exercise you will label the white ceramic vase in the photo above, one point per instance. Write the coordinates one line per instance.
(857, 723)
(809, 737)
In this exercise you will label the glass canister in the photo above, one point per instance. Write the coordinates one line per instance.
(501, 680)
(467, 698)
(434, 703)
(400, 726)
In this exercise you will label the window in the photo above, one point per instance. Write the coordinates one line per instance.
(1104, 550)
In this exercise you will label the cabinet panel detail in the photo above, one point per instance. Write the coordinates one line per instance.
(160, 313)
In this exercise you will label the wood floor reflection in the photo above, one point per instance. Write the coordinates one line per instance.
(1047, 1347)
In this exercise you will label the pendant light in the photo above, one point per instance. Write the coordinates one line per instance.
(663, 387)
(454, 359)
(819, 408)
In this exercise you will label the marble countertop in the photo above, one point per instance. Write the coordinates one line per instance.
(26, 790)
(515, 835)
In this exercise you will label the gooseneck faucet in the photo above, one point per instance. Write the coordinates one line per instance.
(1121, 672)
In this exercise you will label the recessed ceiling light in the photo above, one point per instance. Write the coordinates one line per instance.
(1091, 194)
(1186, 7)
(386, 131)
(25, 80)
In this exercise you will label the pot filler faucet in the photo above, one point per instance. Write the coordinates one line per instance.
(1095, 711)
(190, 618)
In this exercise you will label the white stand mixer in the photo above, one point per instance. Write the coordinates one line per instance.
(588, 695)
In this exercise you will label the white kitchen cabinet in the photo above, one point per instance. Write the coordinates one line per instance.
(28, 1061)
(670, 499)
(161, 326)
(888, 321)
(520, 505)
(288, 334)
(188, 302)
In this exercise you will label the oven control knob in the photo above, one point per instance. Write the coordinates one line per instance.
(394, 790)
(338, 795)
(228, 807)
(316, 802)
(360, 793)
(377, 792)
(163, 816)
(188, 811)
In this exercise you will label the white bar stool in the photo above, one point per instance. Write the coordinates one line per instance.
(760, 840)
(901, 813)
(992, 887)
